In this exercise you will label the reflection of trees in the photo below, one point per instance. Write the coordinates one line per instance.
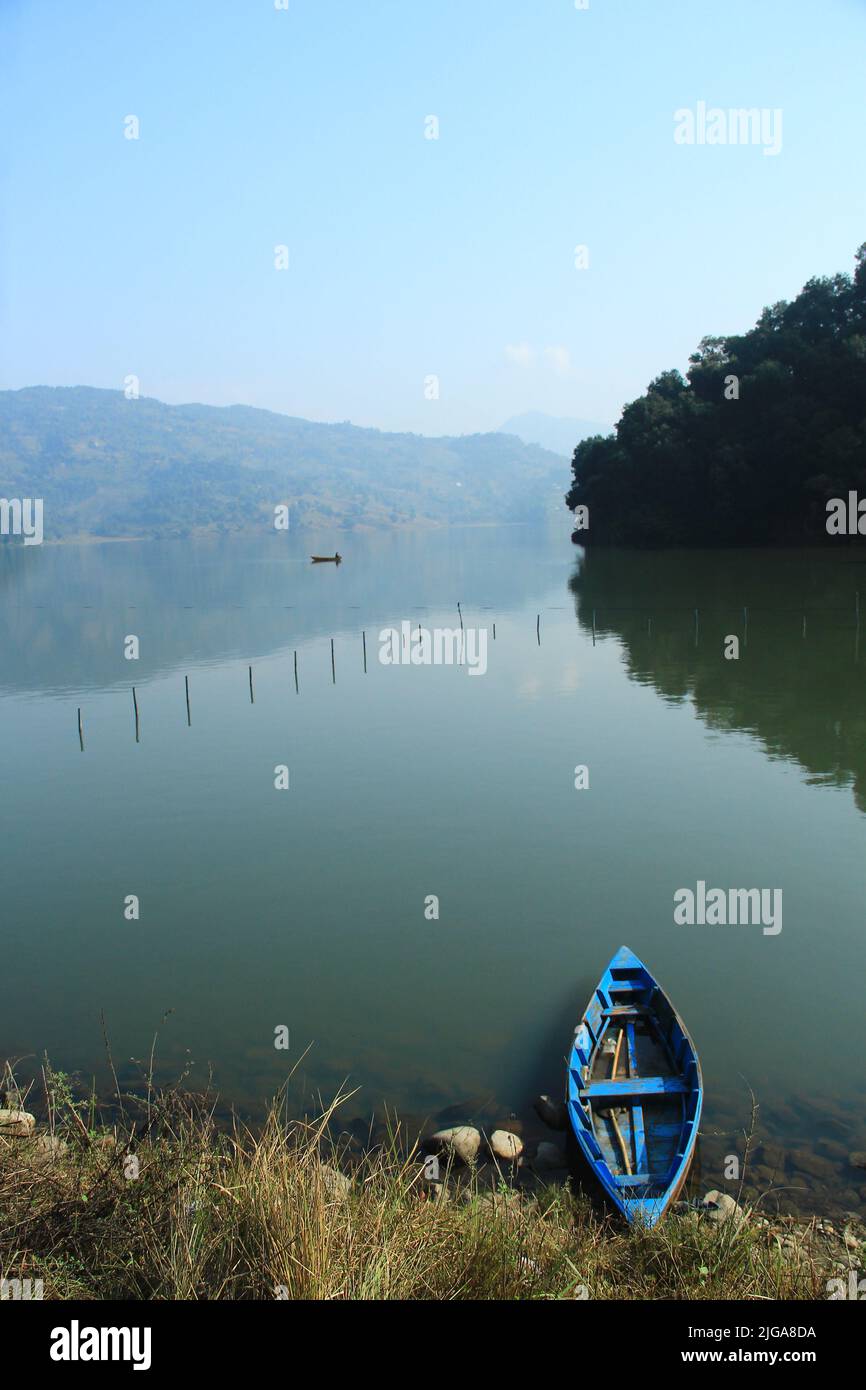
(804, 698)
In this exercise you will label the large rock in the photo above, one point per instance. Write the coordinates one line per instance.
(463, 1141)
(720, 1208)
(549, 1156)
(506, 1145)
(551, 1112)
(16, 1124)
(857, 1159)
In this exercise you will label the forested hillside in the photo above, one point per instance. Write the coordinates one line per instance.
(107, 466)
(765, 428)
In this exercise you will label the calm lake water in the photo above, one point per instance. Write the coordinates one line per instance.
(306, 907)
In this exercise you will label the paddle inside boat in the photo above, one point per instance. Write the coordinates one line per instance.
(634, 1091)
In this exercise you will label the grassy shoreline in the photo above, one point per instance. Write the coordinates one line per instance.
(165, 1204)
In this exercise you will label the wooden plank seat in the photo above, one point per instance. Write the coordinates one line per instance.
(634, 1088)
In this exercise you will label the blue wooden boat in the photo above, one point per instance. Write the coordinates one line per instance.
(634, 1091)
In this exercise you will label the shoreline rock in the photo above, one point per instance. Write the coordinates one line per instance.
(506, 1145)
(552, 1113)
(16, 1124)
(462, 1141)
(549, 1157)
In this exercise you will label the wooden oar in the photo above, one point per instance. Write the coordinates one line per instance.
(616, 1129)
(626, 1161)
(616, 1054)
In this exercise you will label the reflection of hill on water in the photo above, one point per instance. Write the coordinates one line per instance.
(803, 698)
(66, 609)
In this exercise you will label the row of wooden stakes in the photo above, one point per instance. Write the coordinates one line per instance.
(364, 652)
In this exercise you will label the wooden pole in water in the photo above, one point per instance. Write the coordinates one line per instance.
(459, 613)
(135, 707)
(804, 625)
(857, 606)
(333, 668)
(252, 696)
(297, 687)
(593, 627)
(538, 627)
(697, 624)
(188, 716)
(494, 632)
(364, 641)
(80, 731)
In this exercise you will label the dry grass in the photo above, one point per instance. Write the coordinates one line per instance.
(265, 1215)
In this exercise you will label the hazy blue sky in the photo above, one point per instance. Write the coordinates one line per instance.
(409, 256)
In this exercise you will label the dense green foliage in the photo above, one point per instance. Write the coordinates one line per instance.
(709, 461)
(107, 466)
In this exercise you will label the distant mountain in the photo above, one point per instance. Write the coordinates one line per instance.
(107, 466)
(559, 434)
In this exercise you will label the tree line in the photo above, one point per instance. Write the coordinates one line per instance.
(750, 447)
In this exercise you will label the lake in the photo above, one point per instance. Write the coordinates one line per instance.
(308, 908)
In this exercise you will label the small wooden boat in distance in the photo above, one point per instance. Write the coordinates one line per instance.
(634, 1091)
(327, 559)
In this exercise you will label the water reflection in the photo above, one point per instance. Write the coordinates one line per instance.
(799, 684)
(67, 609)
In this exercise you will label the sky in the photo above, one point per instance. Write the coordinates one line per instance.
(433, 284)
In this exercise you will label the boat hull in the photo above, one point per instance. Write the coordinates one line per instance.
(635, 1091)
